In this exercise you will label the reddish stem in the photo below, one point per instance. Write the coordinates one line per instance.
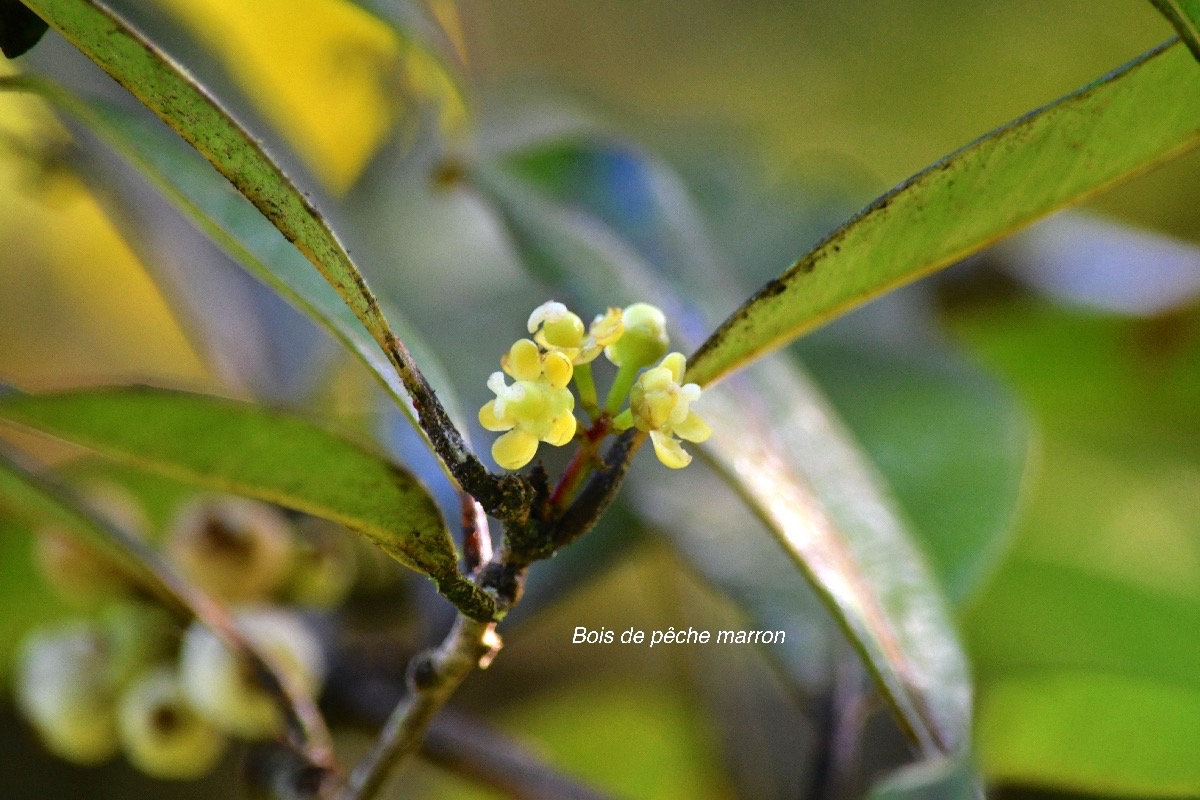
(581, 463)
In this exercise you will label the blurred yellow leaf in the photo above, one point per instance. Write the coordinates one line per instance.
(324, 72)
(75, 303)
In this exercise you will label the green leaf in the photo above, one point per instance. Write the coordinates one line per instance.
(793, 466)
(1184, 15)
(244, 449)
(949, 441)
(945, 779)
(167, 90)
(207, 200)
(1138, 116)
(20, 28)
(1104, 734)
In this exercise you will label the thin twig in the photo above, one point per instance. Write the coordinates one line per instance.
(433, 678)
(456, 742)
(506, 497)
(477, 536)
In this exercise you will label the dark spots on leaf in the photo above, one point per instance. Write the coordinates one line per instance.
(773, 288)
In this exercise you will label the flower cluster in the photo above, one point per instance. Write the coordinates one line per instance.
(539, 407)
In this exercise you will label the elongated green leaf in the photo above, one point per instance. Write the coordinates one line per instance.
(166, 89)
(229, 220)
(248, 450)
(946, 779)
(792, 465)
(1140, 115)
(780, 446)
(1185, 16)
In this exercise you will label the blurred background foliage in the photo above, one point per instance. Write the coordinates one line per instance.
(1034, 411)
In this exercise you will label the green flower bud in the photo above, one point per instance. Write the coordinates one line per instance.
(644, 339)
(238, 550)
(63, 689)
(76, 571)
(324, 565)
(161, 734)
(555, 326)
(227, 692)
(138, 636)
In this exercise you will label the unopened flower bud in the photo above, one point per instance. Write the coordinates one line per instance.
(76, 571)
(644, 339)
(324, 565)
(227, 691)
(63, 690)
(239, 550)
(161, 733)
(555, 326)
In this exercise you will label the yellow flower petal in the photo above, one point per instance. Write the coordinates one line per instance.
(491, 421)
(558, 369)
(514, 449)
(523, 360)
(675, 363)
(693, 428)
(562, 430)
(668, 450)
(607, 328)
